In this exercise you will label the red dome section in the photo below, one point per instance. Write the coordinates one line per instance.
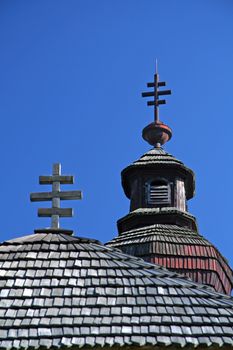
(181, 250)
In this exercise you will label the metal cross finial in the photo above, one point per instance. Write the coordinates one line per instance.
(55, 196)
(156, 93)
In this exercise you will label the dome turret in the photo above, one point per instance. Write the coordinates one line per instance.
(159, 227)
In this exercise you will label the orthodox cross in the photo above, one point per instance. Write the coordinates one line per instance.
(55, 196)
(156, 84)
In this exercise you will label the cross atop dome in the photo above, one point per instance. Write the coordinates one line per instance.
(156, 133)
(56, 179)
(156, 84)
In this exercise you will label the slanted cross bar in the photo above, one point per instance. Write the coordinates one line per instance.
(55, 196)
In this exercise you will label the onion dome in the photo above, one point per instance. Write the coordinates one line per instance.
(159, 227)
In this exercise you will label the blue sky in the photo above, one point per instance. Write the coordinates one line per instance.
(71, 75)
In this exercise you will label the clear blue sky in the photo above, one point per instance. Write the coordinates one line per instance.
(71, 75)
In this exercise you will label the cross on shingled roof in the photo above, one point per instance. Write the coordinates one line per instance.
(56, 179)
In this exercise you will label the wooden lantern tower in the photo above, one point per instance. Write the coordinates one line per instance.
(159, 227)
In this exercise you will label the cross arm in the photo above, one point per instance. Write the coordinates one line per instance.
(62, 212)
(156, 103)
(159, 84)
(47, 196)
(63, 179)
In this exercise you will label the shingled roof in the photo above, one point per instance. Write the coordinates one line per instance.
(159, 228)
(157, 155)
(158, 158)
(179, 249)
(61, 291)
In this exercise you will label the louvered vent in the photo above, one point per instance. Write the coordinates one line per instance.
(159, 193)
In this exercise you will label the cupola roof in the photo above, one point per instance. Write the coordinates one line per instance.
(158, 158)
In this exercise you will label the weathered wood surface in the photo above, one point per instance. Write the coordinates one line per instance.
(47, 196)
(63, 179)
(56, 195)
(62, 212)
(180, 195)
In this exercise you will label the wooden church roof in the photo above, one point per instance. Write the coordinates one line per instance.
(158, 158)
(179, 249)
(59, 291)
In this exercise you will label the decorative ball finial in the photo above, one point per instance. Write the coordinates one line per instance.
(156, 133)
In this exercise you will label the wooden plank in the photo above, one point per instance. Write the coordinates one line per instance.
(180, 193)
(156, 103)
(47, 196)
(148, 94)
(159, 84)
(70, 195)
(164, 92)
(62, 212)
(161, 102)
(63, 179)
(151, 103)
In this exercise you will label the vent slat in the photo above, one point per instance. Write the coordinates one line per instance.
(159, 194)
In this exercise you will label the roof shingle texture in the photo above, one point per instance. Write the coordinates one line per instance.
(180, 249)
(157, 155)
(158, 158)
(60, 291)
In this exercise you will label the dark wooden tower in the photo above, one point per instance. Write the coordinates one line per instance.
(159, 227)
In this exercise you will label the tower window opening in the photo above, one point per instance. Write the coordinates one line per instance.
(159, 192)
